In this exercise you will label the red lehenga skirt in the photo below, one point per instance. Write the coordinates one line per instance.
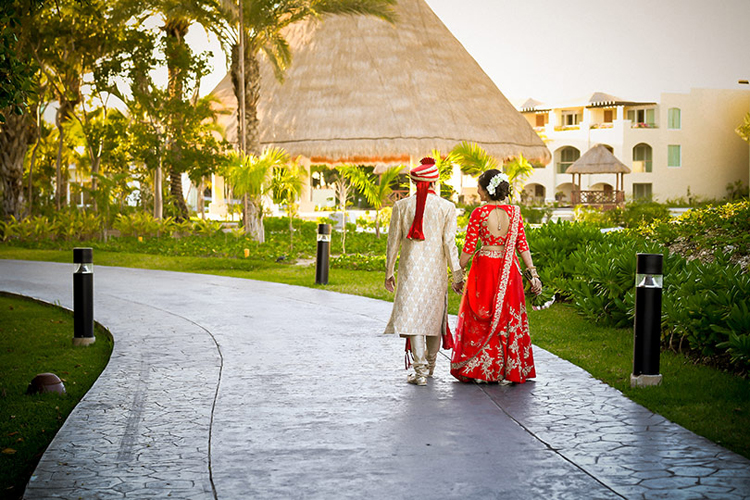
(505, 353)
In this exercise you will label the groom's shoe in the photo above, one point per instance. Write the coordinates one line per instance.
(416, 379)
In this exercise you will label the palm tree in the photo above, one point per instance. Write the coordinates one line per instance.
(286, 186)
(518, 169)
(263, 22)
(377, 189)
(249, 176)
(474, 161)
(743, 129)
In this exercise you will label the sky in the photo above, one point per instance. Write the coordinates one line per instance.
(558, 50)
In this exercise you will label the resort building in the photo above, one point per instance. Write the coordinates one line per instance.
(683, 146)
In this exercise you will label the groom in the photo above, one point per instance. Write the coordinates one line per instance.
(423, 227)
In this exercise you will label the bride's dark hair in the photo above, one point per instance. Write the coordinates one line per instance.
(502, 190)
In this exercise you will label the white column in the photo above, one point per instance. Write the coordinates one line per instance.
(218, 205)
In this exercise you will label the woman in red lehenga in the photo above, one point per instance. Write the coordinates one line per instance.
(492, 341)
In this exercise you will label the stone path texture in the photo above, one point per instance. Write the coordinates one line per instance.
(223, 388)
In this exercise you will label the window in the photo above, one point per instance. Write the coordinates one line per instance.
(674, 155)
(568, 156)
(642, 117)
(642, 154)
(608, 116)
(571, 118)
(642, 191)
(541, 120)
(674, 119)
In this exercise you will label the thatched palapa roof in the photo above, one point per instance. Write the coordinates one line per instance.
(362, 90)
(598, 160)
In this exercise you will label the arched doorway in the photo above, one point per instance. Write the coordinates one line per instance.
(533, 194)
(564, 193)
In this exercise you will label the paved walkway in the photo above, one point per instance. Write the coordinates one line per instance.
(222, 388)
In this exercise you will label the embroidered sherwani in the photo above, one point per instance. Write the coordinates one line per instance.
(420, 304)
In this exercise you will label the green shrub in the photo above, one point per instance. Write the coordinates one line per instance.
(359, 262)
(535, 215)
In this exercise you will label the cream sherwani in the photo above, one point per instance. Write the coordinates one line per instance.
(420, 304)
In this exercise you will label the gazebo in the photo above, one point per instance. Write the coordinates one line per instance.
(598, 160)
(361, 90)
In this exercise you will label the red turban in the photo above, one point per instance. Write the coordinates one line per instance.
(423, 175)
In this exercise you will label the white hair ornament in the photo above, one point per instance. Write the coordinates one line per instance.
(495, 182)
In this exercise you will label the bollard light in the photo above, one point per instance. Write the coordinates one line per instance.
(83, 297)
(649, 281)
(323, 255)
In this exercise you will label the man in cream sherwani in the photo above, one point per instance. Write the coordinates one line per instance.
(423, 227)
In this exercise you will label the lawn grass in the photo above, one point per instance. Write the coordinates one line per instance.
(37, 338)
(705, 400)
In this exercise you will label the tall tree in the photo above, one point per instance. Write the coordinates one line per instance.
(69, 44)
(184, 69)
(263, 22)
(376, 188)
(18, 76)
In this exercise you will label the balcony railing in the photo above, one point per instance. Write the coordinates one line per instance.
(604, 199)
(396, 195)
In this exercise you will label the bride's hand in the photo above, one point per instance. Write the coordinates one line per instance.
(536, 286)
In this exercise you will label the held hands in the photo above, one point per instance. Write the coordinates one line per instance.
(390, 284)
(536, 286)
(458, 286)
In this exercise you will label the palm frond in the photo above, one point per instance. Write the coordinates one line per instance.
(382, 9)
(473, 159)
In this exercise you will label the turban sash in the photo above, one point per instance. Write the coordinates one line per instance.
(422, 175)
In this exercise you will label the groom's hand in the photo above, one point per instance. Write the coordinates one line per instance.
(390, 284)
(458, 286)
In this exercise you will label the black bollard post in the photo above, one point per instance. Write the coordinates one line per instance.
(323, 255)
(83, 297)
(647, 325)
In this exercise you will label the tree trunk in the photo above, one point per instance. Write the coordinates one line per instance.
(95, 162)
(32, 164)
(176, 29)
(15, 135)
(58, 167)
(245, 214)
(252, 96)
(254, 222)
(291, 231)
(201, 199)
(67, 100)
(175, 185)
(377, 224)
(158, 201)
